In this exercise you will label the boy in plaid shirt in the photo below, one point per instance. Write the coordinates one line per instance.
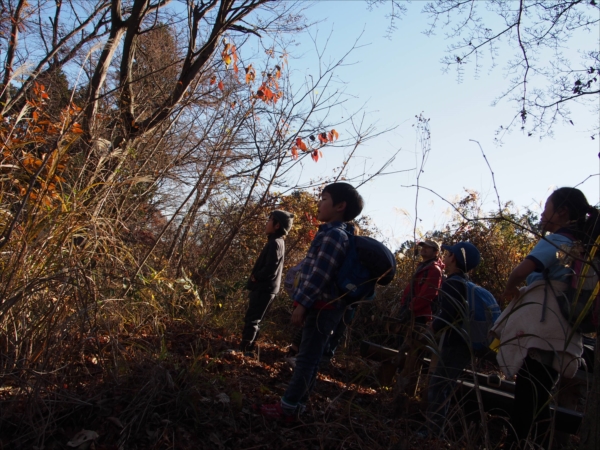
(318, 308)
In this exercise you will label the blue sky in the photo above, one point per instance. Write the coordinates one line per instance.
(401, 77)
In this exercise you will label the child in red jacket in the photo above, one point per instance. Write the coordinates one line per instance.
(423, 289)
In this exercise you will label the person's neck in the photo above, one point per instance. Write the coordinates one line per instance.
(453, 271)
(335, 219)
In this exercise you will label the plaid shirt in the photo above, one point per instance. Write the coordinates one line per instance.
(316, 287)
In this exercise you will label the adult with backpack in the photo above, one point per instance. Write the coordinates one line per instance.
(537, 339)
(466, 313)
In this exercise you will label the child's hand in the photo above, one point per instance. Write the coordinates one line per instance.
(298, 316)
(510, 293)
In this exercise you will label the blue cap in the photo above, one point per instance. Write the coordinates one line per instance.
(466, 254)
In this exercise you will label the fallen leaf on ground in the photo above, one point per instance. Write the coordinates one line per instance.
(82, 437)
(223, 397)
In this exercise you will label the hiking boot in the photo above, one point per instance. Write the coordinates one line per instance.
(274, 411)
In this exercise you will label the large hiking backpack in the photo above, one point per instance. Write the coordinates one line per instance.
(483, 312)
(579, 304)
(368, 262)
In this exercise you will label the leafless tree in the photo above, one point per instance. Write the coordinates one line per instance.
(529, 40)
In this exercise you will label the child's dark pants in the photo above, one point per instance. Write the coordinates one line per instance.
(453, 360)
(318, 328)
(339, 332)
(257, 307)
(532, 394)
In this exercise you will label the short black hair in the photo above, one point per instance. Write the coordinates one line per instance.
(345, 192)
(280, 231)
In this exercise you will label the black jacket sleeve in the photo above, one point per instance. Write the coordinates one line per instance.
(269, 267)
(272, 257)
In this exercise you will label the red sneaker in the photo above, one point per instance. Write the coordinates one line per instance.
(274, 411)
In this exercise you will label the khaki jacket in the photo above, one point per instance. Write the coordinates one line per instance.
(520, 329)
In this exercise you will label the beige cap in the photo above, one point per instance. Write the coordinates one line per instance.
(430, 243)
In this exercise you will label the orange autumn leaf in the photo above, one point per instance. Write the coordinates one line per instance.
(76, 128)
(235, 68)
(250, 74)
(315, 155)
(220, 85)
(323, 138)
(213, 79)
(277, 72)
(301, 145)
(294, 152)
(334, 135)
(265, 93)
(226, 55)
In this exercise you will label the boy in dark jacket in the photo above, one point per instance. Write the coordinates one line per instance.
(265, 277)
(454, 350)
(319, 308)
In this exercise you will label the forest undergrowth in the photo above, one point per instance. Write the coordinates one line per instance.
(185, 388)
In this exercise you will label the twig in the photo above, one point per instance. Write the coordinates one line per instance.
(492, 172)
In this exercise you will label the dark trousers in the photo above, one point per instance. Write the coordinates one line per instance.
(339, 332)
(319, 325)
(414, 345)
(258, 304)
(452, 361)
(336, 337)
(531, 409)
